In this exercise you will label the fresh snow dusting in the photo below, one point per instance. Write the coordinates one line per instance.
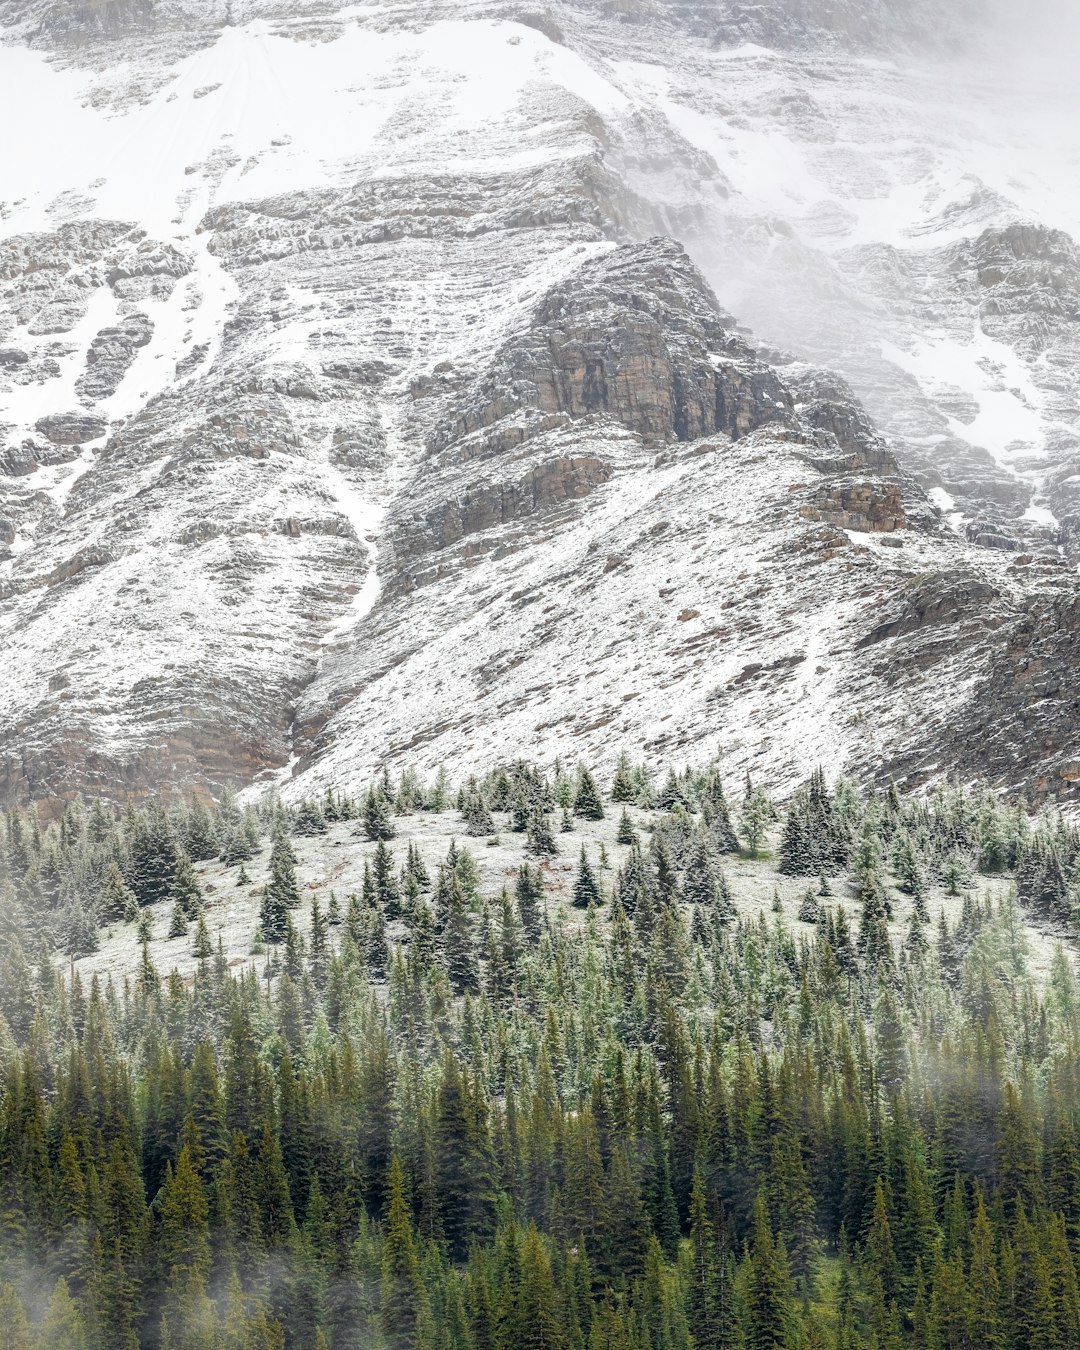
(1042, 515)
(767, 169)
(22, 405)
(312, 527)
(257, 114)
(1009, 423)
(290, 113)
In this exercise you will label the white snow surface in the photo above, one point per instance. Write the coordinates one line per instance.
(354, 210)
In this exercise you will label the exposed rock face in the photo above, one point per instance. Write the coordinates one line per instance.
(90, 20)
(1027, 268)
(944, 599)
(1024, 715)
(1016, 724)
(72, 428)
(435, 442)
(859, 506)
(637, 336)
(110, 356)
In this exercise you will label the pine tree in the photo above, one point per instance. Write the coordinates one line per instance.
(458, 944)
(586, 888)
(464, 1164)
(118, 902)
(281, 892)
(14, 1326)
(623, 787)
(63, 1327)
(768, 1296)
(587, 802)
(540, 841)
(984, 1286)
(880, 1255)
(202, 948)
(535, 1320)
(310, 819)
(529, 892)
(387, 892)
(198, 832)
(706, 1313)
(756, 815)
(403, 1304)
(377, 822)
(155, 857)
(186, 891)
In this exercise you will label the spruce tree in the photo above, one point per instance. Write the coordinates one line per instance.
(186, 891)
(623, 788)
(155, 857)
(118, 902)
(540, 841)
(756, 815)
(403, 1302)
(768, 1294)
(586, 888)
(377, 821)
(587, 802)
(706, 1313)
(459, 949)
(529, 893)
(281, 892)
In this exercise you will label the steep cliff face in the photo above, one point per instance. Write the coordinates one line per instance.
(389, 417)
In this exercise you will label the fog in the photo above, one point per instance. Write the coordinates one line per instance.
(1040, 32)
(887, 236)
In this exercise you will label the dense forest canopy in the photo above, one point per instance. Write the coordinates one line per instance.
(627, 1110)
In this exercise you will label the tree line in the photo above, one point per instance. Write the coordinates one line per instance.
(654, 1118)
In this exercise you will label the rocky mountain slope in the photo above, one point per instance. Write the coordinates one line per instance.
(367, 393)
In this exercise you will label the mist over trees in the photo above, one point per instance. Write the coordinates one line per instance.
(642, 1113)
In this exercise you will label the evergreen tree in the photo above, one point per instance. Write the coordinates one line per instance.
(118, 902)
(529, 893)
(403, 1303)
(756, 815)
(281, 892)
(587, 802)
(458, 943)
(377, 822)
(155, 857)
(768, 1294)
(623, 787)
(540, 842)
(186, 891)
(586, 888)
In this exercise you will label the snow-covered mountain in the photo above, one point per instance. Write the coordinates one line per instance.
(369, 388)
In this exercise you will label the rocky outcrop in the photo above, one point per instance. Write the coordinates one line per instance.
(636, 336)
(71, 428)
(1019, 725)
(487, 508)
(32, 454)
(939, 600)
(111, 355)
(873, 507)
(1025, 267)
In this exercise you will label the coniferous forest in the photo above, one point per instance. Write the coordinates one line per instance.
(700, 1072)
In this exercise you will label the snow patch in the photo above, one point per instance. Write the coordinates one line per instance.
(1009, 423)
